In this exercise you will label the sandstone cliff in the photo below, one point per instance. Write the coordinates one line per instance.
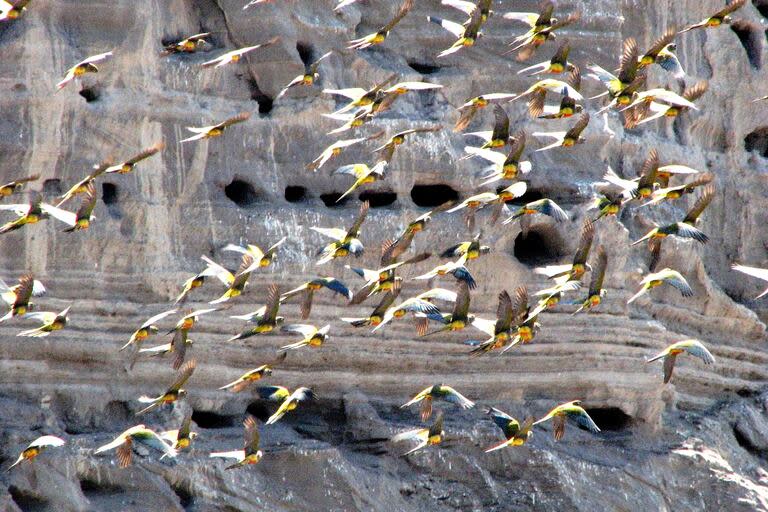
(699, 442)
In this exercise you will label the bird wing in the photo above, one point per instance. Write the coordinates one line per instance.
(353, 93)
(678, 281)
(687, 231)
(585, 243)
(598, 272)
(629, 60)
(355, 228)
(462, 5)
(728, 9)
(504, 312)
(457, 398)
(179, 347)
(333, 233)
(157, 318)
(520, 306)
(584, 420)
(486, 154)
(501, 123)
(669, 366)
(454, 28)
(461, 308)
(760, 273)
(68, 218)
(661, 42)
(273, 393)
(222, 274)
(307, 331)
(696, 348)
(700, 205)
(239, 118)
(145, 154)
(234, 454)
(407, 6)
(577, 128)
(529, 18)
(696, 91)
(337, 286)
(251, 442)
(272, 303)
(551, 208)
(184, 374)
(45, 317)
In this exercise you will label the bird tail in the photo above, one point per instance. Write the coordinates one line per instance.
(21, 458)
(499, 446)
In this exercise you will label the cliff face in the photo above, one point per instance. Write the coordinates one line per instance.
(699, 442)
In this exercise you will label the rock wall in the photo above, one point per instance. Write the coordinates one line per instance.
(697, 443)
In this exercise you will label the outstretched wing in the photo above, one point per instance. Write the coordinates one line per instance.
(598, 272)
(184, 374)
(407, 6)
(251, 444)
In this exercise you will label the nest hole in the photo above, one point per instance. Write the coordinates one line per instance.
(762, 7)
(423, 68)
(258, 410)
(751, 37)
(429, 196)
(305, 52)
(109, 193)
(110, 197)
(186, 500)
(542, 246)
(295, 193)
(264, 101)
(330, 199)
(26, 501)
(91, 487)
(378, 199)
(212, 420)
(90, 94)
(52, 187)
(744, 440)
(241, 193)
(610, 419)
(757, 141)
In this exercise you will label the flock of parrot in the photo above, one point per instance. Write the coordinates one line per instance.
(436, 310)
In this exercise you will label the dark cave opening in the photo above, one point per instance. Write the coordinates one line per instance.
(90, 94)
(744, 441)
(185, 496)
(52, 187)
(264, 101)
(757, 140)
(762, 7)
(424, 69)
(25, 501)
(258, 410)
(530, 196)
(330, 199)
(212, 420)
(241, 193)
(378, 199)
(295, 193)
(610, 419)
(305, 52)
(751, 37)
(429, 196)
(543, 245)
(109, 195)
